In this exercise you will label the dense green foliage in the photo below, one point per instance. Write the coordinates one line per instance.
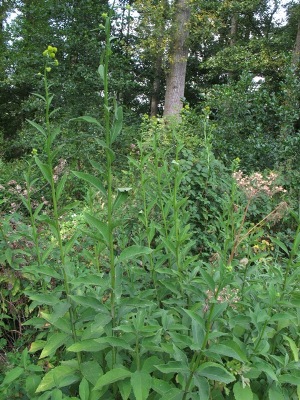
(144, 258)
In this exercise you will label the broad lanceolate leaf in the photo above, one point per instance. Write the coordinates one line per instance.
(60, 376)
(141, 384)
(60, 186)
(109, 152)
(266, 368)
(101, 71)
(173, 394)
(84, 389)
(289, 378)
(229, 349)
(12, 375)
(132, 252)
(293, 346)
(49, 299)
(55, 341)
(101, 226)
(92, 180)
(281, 245)
(45, 169)
(173, 367)
(275, 393)
(121, 197)
(88, 301)
(91, 370)
(87, 118)
(117, 124)
(114, 375)
(89, 345)
(215, 372)
(38, 127)
(241, 392)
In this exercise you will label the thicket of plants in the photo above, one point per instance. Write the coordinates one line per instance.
(168, 273)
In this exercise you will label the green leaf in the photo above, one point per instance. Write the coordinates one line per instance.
(88, 301)
(132, 252)
(101, 71)
(296, 244)
(241, 392)
(121, 197)
(208, 280)
(114, 375)
(38, 127)
(60, 186)
(60, 376)
(203, 387)
(198, 334)
(141, 384)
(266, 368)
(49, 299)
(196, 317)
(39, 96)
(169, 245)
(56, 394)
(45, 169)
(62, 324)
(97, 166)
(37, 345)
(101, 226)
(229, 349)
(117, 124)
(87, 118)
(89, 345)
(92, 180)
(84, 389)
(173, 394)
(281, 245)
(12, 375)
(289, 378)
(31, 384)
(125, 388)
(293, 347)
(55, 341)
(160, 386)
(91, 370)
(43, 270)
(173, 367)
(215, 372)
(109, 152)
(114, 342)
(275, 393)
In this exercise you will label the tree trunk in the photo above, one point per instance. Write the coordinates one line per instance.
(156, 86)
(178, 60)
(296, 53)
(232, 75)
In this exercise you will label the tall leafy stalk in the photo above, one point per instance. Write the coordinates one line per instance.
(56, 186)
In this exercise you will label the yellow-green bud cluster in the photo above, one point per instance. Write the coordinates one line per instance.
(50, 52)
